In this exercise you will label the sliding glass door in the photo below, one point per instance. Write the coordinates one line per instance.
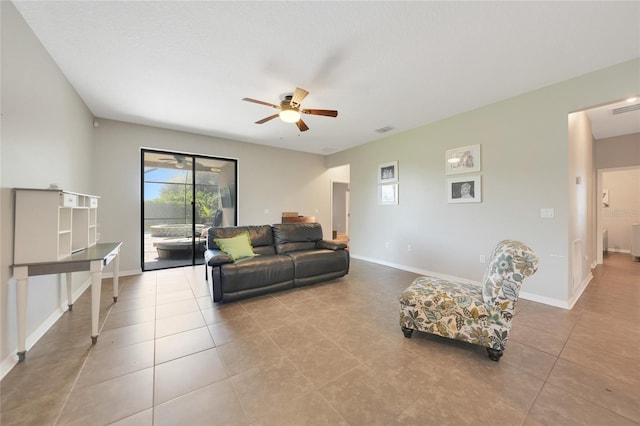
(183, 195)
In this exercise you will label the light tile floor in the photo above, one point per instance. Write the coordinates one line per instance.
(328, 354)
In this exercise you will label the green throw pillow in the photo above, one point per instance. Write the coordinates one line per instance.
(236, 247)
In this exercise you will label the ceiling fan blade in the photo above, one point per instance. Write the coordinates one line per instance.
(302, 125)
(255, 101)
(298, 96)
(325, 112)
(264, 120)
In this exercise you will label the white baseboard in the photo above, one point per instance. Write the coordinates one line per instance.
(11, 360)
(123, 273)
(527, 296)
(415, 270)
(544, 300)
(619, 250)
(583, 286)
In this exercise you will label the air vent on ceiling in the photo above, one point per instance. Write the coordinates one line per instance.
(624, 109)
(384, 129)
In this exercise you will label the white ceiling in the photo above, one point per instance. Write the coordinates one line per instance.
(186, 65)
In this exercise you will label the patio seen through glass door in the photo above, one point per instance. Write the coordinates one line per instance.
(182, 196)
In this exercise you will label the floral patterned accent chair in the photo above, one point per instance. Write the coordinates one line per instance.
(476, 314)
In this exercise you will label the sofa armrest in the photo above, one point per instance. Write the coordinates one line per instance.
(215, 258)
(330, 245)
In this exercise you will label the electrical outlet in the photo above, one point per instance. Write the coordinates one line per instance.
(409, 248)
(482, 258)
(386, 244)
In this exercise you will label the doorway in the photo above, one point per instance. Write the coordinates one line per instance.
(182, 196)
(618, 209)
(340, 211)
(615, 129)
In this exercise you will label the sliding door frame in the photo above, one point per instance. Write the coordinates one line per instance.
(193, 184)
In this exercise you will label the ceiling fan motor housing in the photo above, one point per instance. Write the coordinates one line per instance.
(286, 97)
(286, 104)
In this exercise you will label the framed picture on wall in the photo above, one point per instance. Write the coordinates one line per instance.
(388, 194)
(466, 189)
(465, 159)
(388, 172)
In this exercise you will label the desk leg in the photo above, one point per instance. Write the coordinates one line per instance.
(21, 275)
(69, 289)
(96, 285)
(116, 273)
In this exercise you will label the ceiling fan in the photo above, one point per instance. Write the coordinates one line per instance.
(178, 161)
(290, 110)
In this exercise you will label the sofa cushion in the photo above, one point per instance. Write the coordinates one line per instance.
(254, 272)
(261, 237)
(308, 263)
(237, 247)
(296, 236)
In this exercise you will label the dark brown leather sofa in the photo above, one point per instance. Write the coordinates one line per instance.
(290, 255)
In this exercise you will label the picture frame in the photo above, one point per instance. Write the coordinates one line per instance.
(388, 172)
(465, 159)
(467, 189)
(388, 194)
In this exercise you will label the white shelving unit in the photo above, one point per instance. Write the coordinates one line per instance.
(51, 224)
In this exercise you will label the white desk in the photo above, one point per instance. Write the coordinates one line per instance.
(92, 259)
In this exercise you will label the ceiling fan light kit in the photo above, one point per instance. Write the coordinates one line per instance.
(289, 115)
(290, 111)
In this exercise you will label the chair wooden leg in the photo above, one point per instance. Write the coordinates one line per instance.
(407, 332)
(494, 354)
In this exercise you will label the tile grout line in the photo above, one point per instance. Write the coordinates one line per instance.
(557, 358)
(534, 410)
(84, 363)
(153, 375)
(226, 370)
